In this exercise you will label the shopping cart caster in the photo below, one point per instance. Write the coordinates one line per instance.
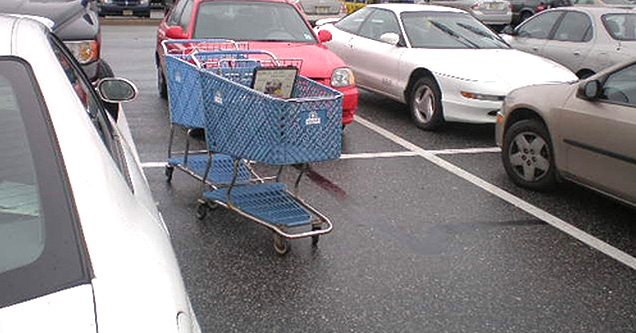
(168, 172)
(315, 238)
(281, 245)
(202, 210)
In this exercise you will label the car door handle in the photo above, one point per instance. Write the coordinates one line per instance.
(535, 49)
(577, 53)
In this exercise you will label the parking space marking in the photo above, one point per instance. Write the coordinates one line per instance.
(539, 213)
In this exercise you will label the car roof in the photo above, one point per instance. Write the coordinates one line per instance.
(596, 10)
(409, 7)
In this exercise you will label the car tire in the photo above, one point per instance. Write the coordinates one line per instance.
(425, 104)
(524, 16)
(528, 156)
(161, 84)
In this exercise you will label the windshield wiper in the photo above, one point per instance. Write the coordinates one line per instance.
(479, 32)
(450, 32)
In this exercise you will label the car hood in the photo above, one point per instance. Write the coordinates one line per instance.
(512, 68)
(69, 310)
(318, 61)
(59, 12)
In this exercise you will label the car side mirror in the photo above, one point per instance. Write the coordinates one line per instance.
(324, 36)
(590, 90)
(116, 90)
(175, 32)
(390, 38)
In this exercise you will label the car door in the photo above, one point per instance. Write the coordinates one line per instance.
(571, 41)
(599, 136)
(343, 36)
(378, 61)
(532, 35)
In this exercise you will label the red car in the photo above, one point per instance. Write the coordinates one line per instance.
(277, 26)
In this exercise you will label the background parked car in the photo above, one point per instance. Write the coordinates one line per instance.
(322, 9)
(139, 8)
(83, 244)
(584, 39)
(277, 26)
(441, 61)
(75, 23)
(494, 13)
(583, 132)
(524, 9)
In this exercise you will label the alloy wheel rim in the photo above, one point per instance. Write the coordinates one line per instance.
(529, 156)
(424, 104)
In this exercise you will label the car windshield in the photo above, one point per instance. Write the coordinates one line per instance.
(620, 26)
(251, 21)
(449, 31)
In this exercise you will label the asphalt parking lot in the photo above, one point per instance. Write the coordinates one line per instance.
(430, 235)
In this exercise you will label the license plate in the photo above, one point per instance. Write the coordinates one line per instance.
(322, 10)
(127, 12)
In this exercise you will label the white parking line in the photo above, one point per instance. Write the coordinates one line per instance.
(521, 204)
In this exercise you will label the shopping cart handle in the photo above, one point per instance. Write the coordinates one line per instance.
(165, 43)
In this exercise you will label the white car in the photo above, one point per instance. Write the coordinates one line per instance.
(441, 61)
(83, 247)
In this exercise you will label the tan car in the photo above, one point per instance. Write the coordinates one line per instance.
(583, 132)
(585, 39)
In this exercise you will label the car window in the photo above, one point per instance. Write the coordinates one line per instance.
(620, 86)
(175, 14)
(353, 22)
(379, 23)
(40, 244)
(620, 26)
(251, 21)
(539, 26)
(449, 30)
(93, 106)
(574, 27)
(186, 16)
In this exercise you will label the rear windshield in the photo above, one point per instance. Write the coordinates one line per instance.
(251, 21)
(620, 26)
(39, 248)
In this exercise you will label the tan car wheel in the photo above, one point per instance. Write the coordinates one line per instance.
(527, 155)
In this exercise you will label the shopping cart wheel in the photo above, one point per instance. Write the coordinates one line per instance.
(202, 210)
(315, 238)
(168, 172)
(281, 245)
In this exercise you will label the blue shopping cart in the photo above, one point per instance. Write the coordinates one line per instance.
(185, 102)
(257, 108)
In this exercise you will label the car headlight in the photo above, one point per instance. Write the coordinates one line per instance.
(84, 51)
(342, 77)
(107, 1)
(143, 2)
(483, 97)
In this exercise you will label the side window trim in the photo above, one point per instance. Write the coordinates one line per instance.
(100, 118)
